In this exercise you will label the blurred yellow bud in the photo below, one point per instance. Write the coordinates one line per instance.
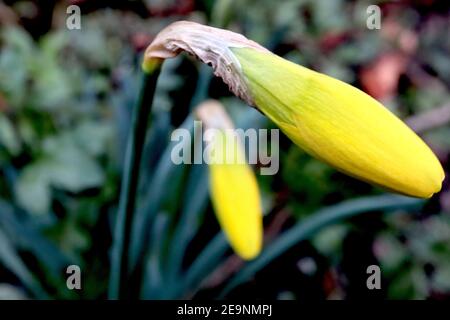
(233, 186)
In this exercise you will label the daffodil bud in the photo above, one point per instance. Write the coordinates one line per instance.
(331, 120)
(233, 186)
(341, 125)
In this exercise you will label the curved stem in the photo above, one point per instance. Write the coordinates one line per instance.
(119, 260)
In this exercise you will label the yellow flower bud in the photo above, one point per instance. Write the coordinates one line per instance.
(341, 125)
(233, 186)
(235, 197)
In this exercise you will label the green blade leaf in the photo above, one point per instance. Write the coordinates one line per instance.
(322, 218)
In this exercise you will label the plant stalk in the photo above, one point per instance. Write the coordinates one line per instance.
(118, 282)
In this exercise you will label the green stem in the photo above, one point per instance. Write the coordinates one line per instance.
(119, 260)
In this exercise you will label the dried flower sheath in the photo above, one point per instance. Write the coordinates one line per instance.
(210, 45)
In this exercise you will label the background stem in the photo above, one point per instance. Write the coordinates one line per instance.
(119, 260)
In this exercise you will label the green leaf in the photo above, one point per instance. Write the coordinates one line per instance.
(329, 240)
(8, 136)
(69, 166)
(27, 236)
(322, 218)
(441, 278)
(18, 39)
(52, 44)
(93, 136)
(32, 189)
(13, 76)
(205, 263)
(14, 263)
(410, 284)
(52, 86)
(165, 173)
(391, 253)
(9, 292)
(64, 165)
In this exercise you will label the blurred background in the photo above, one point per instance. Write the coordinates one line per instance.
(66, 98)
